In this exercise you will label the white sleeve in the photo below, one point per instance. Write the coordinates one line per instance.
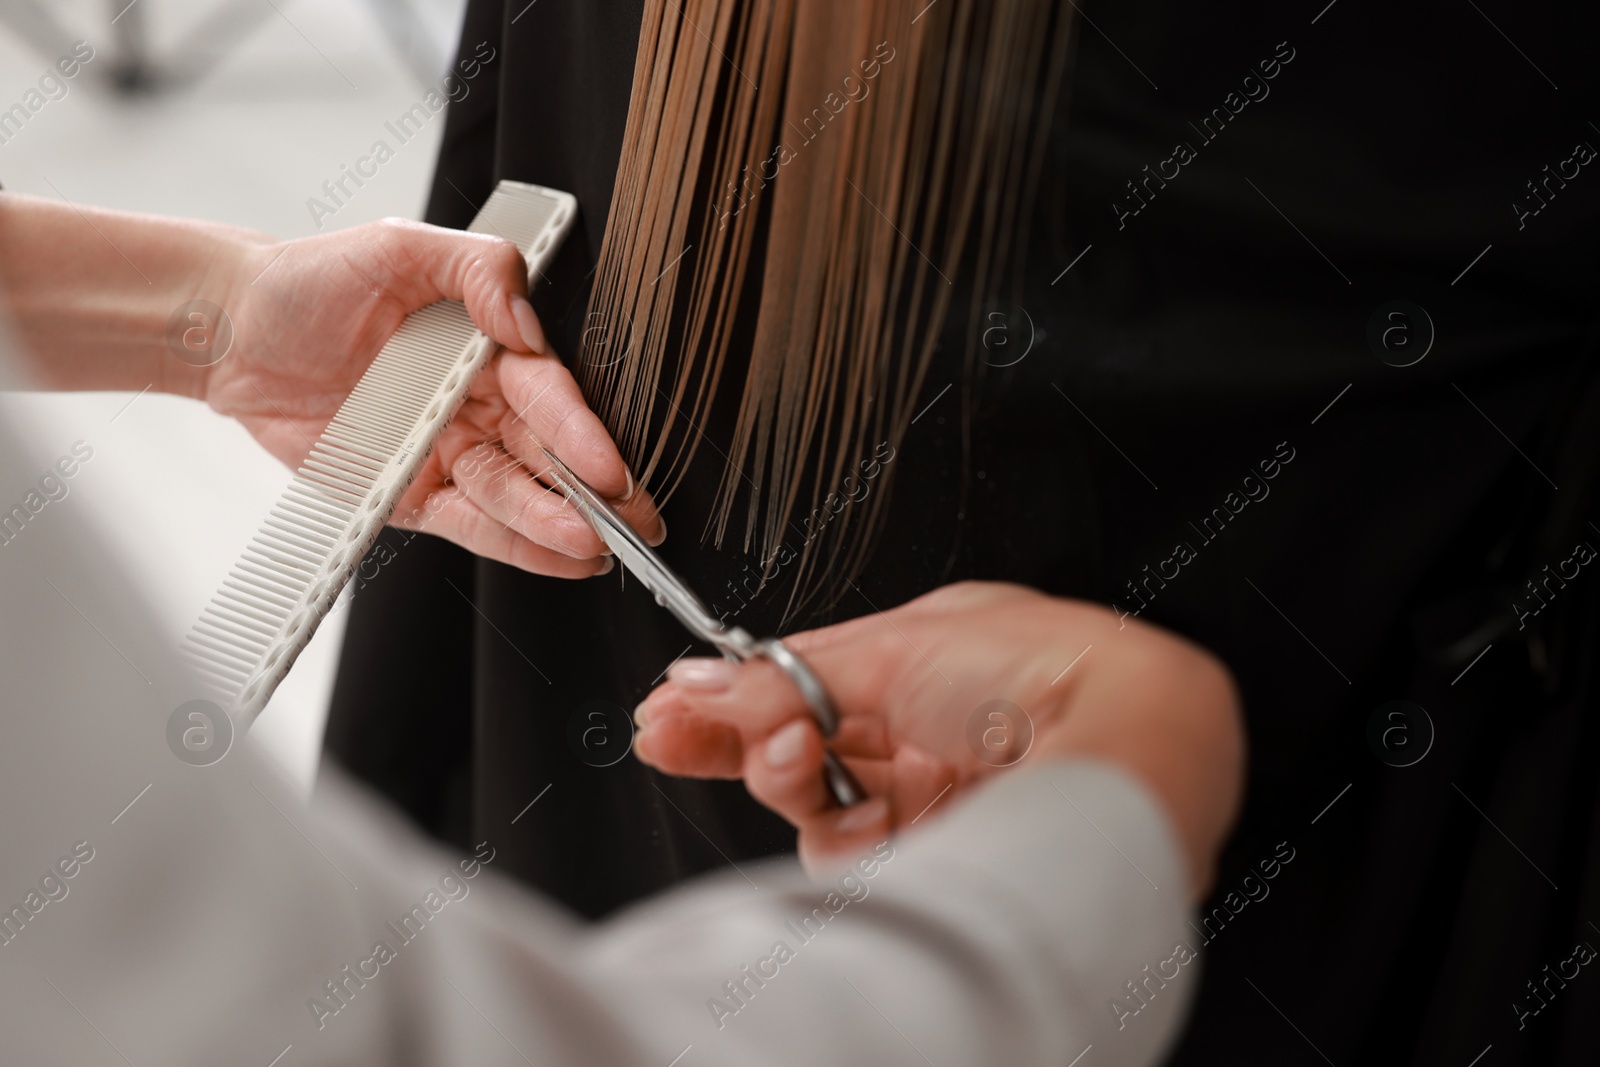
(156, 912)
(1009, 931)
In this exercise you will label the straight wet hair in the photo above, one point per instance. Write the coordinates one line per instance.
(849, 159)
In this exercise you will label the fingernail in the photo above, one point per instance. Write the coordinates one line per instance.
(528, 324)
(786, 746)
(611, 565)
(627, 494)
(702, 675)
(661, 535)
(864, 815)
(641, 715)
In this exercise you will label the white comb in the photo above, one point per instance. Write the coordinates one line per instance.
(286, 581)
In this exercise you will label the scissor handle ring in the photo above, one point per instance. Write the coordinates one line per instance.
(841, 783)
(811, 688)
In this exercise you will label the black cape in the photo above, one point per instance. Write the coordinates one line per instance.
(1208, 429)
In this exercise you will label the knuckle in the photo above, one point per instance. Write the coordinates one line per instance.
(394, 231)
(962, 595)
(495, 258)
(505, 251)
(573, 433)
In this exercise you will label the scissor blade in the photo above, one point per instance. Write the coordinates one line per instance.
(638, 557)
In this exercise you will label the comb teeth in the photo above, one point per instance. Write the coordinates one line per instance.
(317, 533)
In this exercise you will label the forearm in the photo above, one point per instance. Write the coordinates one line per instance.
(90, 292)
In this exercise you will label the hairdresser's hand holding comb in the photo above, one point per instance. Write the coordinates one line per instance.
(310, 315)
(94, 296)
(910, 685)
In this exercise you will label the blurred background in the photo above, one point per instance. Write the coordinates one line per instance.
(235, 111)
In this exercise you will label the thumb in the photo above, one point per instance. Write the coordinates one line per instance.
(485, 272)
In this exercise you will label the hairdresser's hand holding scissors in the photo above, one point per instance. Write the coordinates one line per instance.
(93, 294)
(911, 685)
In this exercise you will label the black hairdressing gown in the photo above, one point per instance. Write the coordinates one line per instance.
(1209, 429)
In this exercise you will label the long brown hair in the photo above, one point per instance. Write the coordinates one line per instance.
(847, 157)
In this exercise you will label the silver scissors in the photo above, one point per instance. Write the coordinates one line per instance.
(732, 641)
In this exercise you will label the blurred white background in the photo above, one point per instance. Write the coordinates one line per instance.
(259, 111)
